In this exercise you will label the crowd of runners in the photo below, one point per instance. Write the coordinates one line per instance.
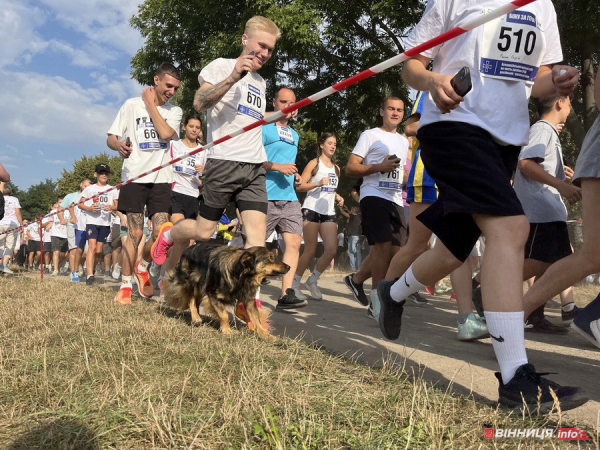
(485, 190)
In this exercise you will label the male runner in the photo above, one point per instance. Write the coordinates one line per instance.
(145, 125)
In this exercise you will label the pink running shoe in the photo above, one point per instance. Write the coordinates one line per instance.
(160, 248)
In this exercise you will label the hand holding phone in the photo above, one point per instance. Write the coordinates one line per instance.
(461, 82)
(390, 158)
(245, 72)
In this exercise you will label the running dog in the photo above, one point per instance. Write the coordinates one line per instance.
(215, 276)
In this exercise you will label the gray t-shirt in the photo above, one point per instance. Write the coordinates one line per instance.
(542, 203)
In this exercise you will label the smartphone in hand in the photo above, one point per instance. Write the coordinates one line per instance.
(391, 157)
(128, 142)
(245, 72)
(461, 82)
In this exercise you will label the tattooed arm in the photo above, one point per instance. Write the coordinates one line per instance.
(209, 94)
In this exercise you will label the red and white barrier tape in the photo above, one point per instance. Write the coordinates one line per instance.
(450, 34)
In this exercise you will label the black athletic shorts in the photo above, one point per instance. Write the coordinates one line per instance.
(308, 215)
(472, 173)
(33, 246)
(383, 221)
(184, 204)
(548, 242)
(156, 197)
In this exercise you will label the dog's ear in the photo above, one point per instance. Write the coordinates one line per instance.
(247, 260)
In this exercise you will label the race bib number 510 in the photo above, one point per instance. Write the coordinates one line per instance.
(513, 47)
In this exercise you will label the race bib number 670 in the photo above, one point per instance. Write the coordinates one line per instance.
(513, 47)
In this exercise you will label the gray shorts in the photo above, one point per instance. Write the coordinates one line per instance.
(226, 181)
(59, 244)
(71, 236)
(284, 217)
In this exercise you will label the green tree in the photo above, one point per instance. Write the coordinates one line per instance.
(84, 168)
(322, 43)
(38, 199)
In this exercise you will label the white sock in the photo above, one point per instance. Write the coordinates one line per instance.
(257, 295)
(143, 265)
(126, 282)
(407, 284)
(314, 276)
(89, 276)
(167, 236)
(508, 339)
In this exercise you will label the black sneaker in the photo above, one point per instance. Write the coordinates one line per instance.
(544, 326)
(417, 299)
(356, 289)
(529, 390)
(478, 301)
(568, 316)
(390, 314)
(290, 301)
(89, 281)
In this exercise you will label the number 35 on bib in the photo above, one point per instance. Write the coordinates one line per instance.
(513, 47)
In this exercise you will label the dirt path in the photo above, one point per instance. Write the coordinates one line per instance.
(428, 345)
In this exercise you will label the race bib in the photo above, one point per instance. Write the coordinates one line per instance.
(513, 47)
(391, 180)
(332, 184)
(251, 101)
(186, 166)
(147, 136)
(285, 134)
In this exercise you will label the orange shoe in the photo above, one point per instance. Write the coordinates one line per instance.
(123, 296)
(430, 289)
(143, 281)
(160, 247)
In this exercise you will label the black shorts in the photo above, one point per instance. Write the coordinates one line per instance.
(59, 244)
(548, 242)
(184, 204)
(225, 181)
(47, 247)
(472, 173)
(33, 246)
(156, 197)
(308, 215)
(383, 221)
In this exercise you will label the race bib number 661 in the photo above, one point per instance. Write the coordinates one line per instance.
(513, 47)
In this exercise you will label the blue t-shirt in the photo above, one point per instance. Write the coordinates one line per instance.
(69, 198)
(281, 145)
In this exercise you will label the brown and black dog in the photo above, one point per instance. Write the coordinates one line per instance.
(215, 276)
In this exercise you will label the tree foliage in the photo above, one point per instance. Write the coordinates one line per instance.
(84, 168)
(38, 199)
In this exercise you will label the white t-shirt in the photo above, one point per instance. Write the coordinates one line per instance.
(374, 146)
(185, 177)
(102, 217)
(57, 229)
(241, 105)
(148, 150)
(508, 50)
(10, 206)
(322, 199)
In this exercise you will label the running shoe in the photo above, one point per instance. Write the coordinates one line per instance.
(473, 328)
(160, 248)
(75, 277)
(314, 290)
(123, 296)
(530, 391)
(417, 299)
(441, 289)
(89, 281)
(375, 304)
(430, 289)
(290, 301)
(145, 287)
(154, 270)
(298, 293)
(370, 313)
(544, 326)
(588, 327)
(356, 289)
(568, 316)
(453, 296)
(6, 270)
(390, 314)
(54, 273)
(116, 272)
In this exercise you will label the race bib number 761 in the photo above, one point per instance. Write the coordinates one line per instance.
(513, 47)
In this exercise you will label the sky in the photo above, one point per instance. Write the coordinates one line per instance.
(65, 71)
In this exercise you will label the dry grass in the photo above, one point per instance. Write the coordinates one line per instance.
(79, 373)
